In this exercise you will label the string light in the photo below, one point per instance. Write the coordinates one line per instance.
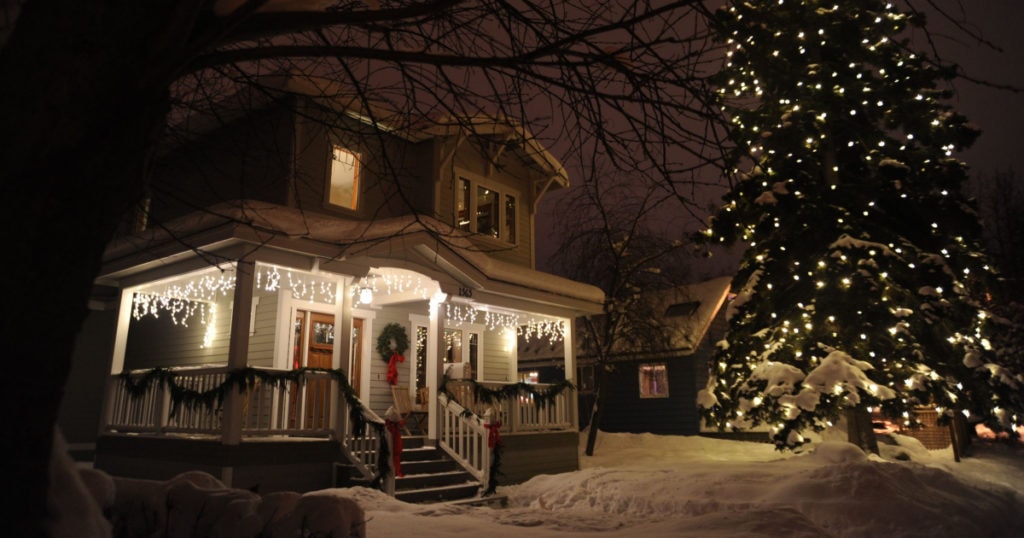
(541, 329)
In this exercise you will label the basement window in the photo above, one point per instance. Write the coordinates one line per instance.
(654, 380)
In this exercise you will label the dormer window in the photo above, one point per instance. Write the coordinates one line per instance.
(486, 209)
(344, 188)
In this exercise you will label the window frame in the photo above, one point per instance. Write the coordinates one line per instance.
(508, 230)
(357, 180)
(647, 395)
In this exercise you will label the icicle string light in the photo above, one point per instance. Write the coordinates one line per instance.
(532, 328)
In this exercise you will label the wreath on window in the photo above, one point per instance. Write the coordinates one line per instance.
(393, 339)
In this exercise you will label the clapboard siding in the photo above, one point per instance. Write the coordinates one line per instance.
(496, 356)
(380, 392)
(158, 342)
(264, 331)
(625, 411)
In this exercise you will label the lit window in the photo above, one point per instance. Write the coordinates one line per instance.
(653, 381)
(463, 205)
(344, 178)
(485, 210)
(510, 218)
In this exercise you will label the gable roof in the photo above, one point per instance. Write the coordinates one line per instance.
(689, 309)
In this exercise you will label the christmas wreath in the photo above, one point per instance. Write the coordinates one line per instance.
(393, 339)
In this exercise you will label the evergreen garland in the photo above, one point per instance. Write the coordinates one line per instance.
(392, 332)
(541, 397)
(247, 379)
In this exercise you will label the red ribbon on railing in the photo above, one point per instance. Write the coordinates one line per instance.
(493, 435)
(393, 368)
(395, 429)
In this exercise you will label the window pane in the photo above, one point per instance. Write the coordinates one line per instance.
(510, 218)
(453, 345)
(474, 347)
(487, 211)
(653, 381)
(344, 178)
(462, 205)
(421, 360)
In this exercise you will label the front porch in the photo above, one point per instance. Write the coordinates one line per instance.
(276, 366)
(304, 430)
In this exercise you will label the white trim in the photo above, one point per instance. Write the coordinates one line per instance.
(366, 352)
(417, 320)
(124, 317)
(502, 190)
(252, 314)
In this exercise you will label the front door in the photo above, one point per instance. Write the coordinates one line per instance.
(321, 351)
(314, 348)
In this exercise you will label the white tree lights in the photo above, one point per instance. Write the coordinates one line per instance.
(863, 282)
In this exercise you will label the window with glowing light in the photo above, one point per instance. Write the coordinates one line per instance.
(654, 380)
(344, 187)
(486, 209)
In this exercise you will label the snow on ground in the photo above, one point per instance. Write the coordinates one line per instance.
(653, 486)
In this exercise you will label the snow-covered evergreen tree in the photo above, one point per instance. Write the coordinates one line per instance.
(864, 283)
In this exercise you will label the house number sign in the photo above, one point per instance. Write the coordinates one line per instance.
(465, 292)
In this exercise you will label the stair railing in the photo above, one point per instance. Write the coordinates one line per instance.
(367, 444)
(465, 437)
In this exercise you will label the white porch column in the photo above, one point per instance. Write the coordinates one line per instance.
(435, 366)
(238, 348)
(570, 370)
(342, 358)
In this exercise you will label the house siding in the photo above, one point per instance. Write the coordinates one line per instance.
(511, 175)
(380, 392)
(394, 177)
(496, 358)
(528, 455)
(155, 342)
(625, 411)
(264, 330)
(246, 158)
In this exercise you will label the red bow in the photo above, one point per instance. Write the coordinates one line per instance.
(494, 436)
(393, 368)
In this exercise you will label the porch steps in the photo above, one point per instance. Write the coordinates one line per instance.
(431, 476)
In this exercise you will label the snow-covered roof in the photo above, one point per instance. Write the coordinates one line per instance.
(689, 313)
(378, 114)
(227, 231)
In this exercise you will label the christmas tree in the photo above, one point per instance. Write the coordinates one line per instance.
(864, 284)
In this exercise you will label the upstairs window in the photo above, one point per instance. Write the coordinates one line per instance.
(344, 191)
(485, 210)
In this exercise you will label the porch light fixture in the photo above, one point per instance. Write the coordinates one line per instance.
(365, 296)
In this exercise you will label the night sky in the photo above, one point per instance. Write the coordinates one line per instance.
(999, 113)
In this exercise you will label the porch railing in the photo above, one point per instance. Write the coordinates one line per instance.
(464, 436)
(521, 413)
(313, 406)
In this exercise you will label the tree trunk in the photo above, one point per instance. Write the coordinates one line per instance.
(84, 97)
(859, 429)
(596, 411)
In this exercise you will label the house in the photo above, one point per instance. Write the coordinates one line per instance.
(650, 392)
(249, 326)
